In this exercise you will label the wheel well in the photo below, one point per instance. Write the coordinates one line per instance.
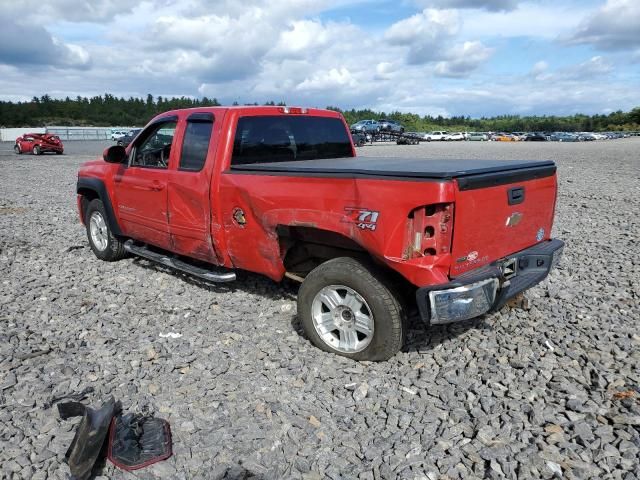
(87, 196)
(304, 248)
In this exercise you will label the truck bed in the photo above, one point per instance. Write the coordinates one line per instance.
(491, 172)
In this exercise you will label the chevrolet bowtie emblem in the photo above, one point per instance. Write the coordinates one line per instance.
(514, 219)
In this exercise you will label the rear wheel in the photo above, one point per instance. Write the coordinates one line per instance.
(36, 150)
(345, 309)
(60, 152)
(17, 149)
(105, 245)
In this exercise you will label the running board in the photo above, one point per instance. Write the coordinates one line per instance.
(178, 264)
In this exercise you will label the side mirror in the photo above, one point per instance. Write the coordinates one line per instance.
(115, 154)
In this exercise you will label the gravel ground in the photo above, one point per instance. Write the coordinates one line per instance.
(549, 388)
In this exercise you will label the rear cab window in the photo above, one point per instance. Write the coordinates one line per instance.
(195, 144)
(284, 138)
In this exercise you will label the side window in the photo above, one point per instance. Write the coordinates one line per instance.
(196, 143)
(154, 148)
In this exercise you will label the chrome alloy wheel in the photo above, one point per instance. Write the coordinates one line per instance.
(99, 231)
(342, 319)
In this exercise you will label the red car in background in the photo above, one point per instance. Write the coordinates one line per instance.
(38, 143)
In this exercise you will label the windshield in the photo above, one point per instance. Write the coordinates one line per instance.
(289, 138)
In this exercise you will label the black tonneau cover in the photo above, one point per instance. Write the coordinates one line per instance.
(470, 173)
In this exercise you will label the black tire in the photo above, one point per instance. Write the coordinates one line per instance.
(59, 152)
(17, 149)
(114, 249)
(361, 142)
(36, 150)
(389, 318)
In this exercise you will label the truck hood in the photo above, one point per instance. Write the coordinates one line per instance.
(397, 167)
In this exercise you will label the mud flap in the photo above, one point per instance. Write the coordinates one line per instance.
(90, 435)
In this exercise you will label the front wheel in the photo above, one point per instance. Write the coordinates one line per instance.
(346, 309)
(59, 152)
(36, 150)
(17, 149)
(105, 245)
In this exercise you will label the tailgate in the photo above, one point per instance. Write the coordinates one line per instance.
(500, 214)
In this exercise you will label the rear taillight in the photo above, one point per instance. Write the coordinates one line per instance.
(429, 231)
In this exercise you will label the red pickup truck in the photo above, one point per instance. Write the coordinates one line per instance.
(280, 191)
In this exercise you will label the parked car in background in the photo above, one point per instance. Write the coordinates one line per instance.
(359, 139)
(588, 136)
(454, 137)
(519, 135)
(503, 137)
(128, 138)
(366, 126)
(38, 143)
(390, 126)
(116, 134)
(437, 135)
(478, 137)
(564, 137)
(535, 137)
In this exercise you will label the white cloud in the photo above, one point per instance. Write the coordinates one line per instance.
(27, 45)
(582, 72)
(463, 60)
(491, 5)
(434, 62)
(334, 78)
(614, 26)
(71, 10)
(537, 20)
(424, 34)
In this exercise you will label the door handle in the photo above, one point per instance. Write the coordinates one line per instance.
(156, 186)
(515, 195)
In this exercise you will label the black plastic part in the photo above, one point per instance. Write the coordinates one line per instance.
(200, 117)
(115, 154)
(89, 439)
(495, 179)
(70, 396)
(515, 195)
(168, 118)
(470, 173)
(71, 409)
(136, 441)
(96, 185)
(534, 264)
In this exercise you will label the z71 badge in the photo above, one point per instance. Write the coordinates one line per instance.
(363, 218)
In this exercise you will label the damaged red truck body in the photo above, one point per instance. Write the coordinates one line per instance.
(279, 191)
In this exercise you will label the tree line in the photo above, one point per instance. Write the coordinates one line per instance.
(109, 110)
(615, 121)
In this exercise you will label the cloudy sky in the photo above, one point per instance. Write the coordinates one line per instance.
(448, 57)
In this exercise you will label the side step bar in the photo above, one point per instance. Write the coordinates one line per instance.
(178, 264)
